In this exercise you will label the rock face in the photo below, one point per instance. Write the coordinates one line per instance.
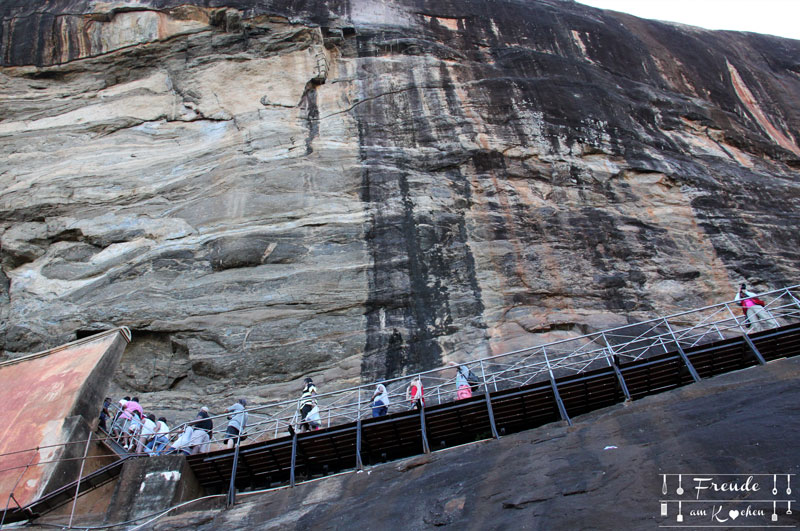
(356, 189)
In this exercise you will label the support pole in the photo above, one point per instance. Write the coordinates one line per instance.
(562, 410)
(232, 488)
(684, 357)
(620, 379)
(489, 403)
(80, 475)
(747, 340)
(294, 459)
(754, 350)
(615, 365)
(426, 448)
(359, 463)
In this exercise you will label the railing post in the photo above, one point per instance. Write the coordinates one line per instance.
(747, 339)
(489, 403)
(682, 353)
(358, 405)
(231, 501)
(80, 475)
(562, 410)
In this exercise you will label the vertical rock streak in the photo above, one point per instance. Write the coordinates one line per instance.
(418, 240)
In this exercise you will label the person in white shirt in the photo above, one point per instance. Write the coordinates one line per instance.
(147, 432)
(192, 441)
(160, 440)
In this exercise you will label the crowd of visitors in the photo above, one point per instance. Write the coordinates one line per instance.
(140, 432)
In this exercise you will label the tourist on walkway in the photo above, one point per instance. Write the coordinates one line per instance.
(237, 422)
(134, 427)
(196, 437)
(307, 403)
(160, 440)
(463, 389)
(414, 393)
(120, 424)
(133, 414)
(192, 441)
(758, 317)
(313, 420)
(380, 401)
(147, 432)
(202, 421)
(104, 414)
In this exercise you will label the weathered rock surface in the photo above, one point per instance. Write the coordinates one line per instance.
(602, 473)
(355, 189)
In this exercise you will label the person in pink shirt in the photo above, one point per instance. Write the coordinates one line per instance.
(118, 426)
(127, 413)
(757, 316)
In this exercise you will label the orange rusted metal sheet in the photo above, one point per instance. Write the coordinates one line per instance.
(37, 394)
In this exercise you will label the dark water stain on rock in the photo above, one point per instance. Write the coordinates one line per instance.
(420, 253)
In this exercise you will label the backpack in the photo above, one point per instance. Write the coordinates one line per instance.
(473, 381)
(758, 301)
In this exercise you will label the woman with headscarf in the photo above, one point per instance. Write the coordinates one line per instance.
(380, 401)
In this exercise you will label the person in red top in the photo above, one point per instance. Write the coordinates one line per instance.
(415, 393)
(753, 307)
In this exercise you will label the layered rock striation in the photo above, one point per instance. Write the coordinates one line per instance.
(357, 189)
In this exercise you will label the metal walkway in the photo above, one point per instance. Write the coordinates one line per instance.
(485, 415)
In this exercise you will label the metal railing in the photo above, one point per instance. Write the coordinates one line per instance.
(521, 367)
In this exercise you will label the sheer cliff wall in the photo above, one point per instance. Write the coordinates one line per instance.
(356, 189)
